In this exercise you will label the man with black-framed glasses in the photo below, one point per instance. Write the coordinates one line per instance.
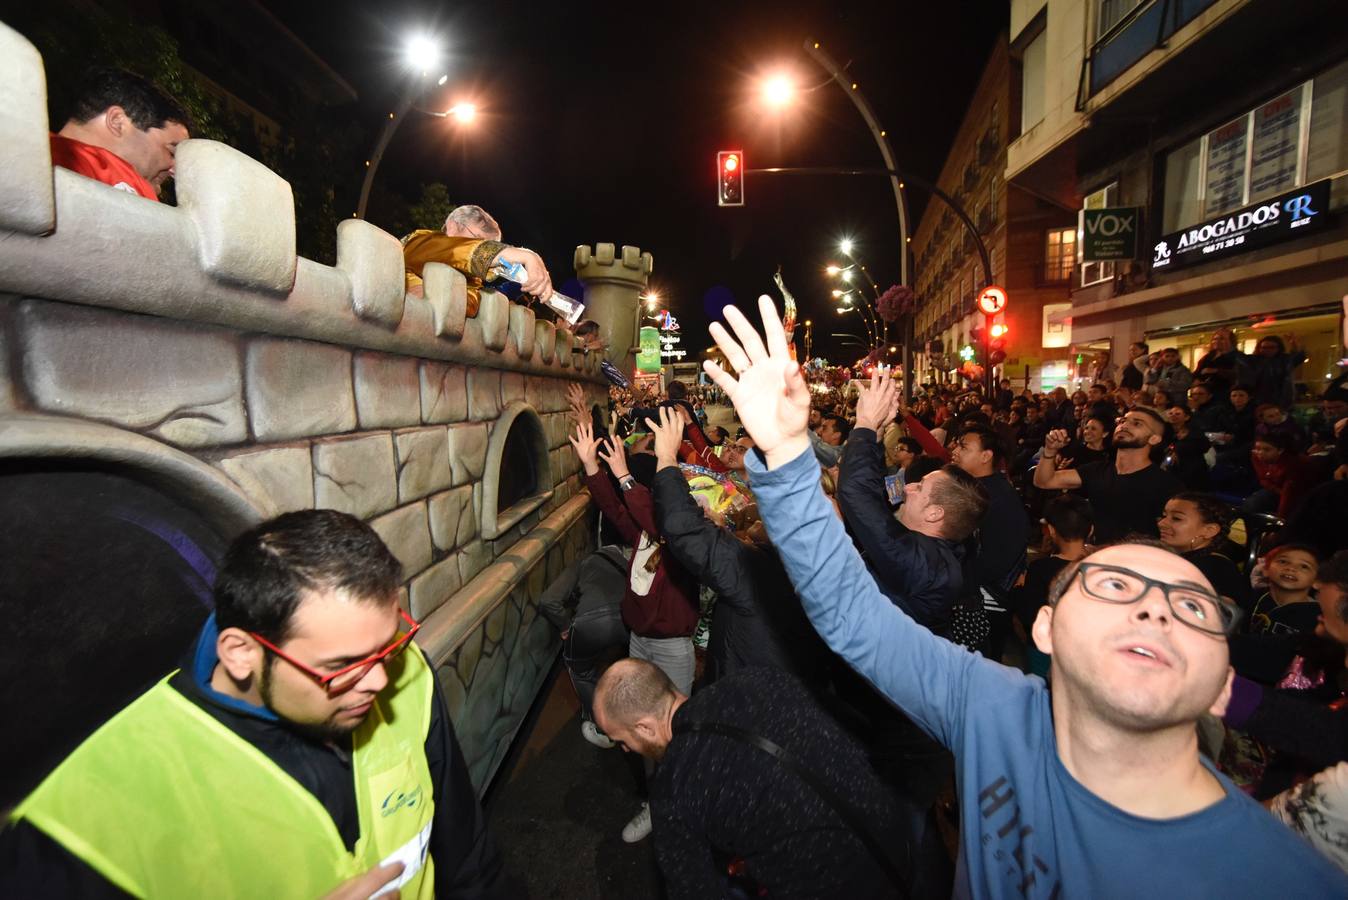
(303, 750)
(1095, 789)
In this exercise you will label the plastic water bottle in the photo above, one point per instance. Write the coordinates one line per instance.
(568, 308)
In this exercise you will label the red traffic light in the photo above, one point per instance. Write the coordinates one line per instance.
(730, 178)
(999, 330)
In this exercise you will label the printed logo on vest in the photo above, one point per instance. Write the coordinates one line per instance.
(397, 800)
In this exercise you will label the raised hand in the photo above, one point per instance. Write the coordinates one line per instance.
(1056, 440)
(575, 399)
(586, 447)
(770, 395)
(877, 406)
(611, 452)
(668, 437)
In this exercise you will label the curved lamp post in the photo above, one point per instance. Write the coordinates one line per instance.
(422, 56)
(830, 65)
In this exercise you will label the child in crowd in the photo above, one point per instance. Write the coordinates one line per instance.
(1067, 523)
(1286, 607)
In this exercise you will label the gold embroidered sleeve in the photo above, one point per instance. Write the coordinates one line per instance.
(422, 247)
(482, 256)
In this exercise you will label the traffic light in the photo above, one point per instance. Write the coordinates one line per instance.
(730, 178)
(997, 349)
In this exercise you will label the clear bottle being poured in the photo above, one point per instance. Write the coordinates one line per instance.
(567, 308)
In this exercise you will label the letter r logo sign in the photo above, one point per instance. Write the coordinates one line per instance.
(1299, 207)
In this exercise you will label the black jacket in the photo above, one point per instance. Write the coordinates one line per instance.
(714, 796)
(467, 864)
(921, 575)
(758, 620)
(1002, 535)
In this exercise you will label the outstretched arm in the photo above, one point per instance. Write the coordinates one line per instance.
(919, 432)
(892, 551)
(924, 675)
(601, 491)
(711, 553)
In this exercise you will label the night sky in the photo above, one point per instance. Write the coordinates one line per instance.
(601, 122)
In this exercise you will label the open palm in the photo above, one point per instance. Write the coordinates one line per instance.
(770, 395)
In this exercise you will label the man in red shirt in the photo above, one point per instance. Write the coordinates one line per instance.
(122, 131)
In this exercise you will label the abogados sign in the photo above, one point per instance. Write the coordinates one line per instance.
(1280, 218)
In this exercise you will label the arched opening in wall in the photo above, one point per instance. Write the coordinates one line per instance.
(519, 469)
(516, 479)
(109, 543)
(105, 582)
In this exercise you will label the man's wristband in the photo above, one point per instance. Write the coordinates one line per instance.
(1043, 454)
(626, 482)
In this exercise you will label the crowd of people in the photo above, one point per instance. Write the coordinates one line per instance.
(1040, 622)
(1073, 637)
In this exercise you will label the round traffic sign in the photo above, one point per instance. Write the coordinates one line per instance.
(992, 300)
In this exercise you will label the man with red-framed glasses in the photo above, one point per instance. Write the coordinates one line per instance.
(303, 750)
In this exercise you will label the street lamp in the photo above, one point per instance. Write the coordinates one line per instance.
(421, 54)
(847, 308)
(464, 112)
(836, 74)
(846, 272)
(778, 90)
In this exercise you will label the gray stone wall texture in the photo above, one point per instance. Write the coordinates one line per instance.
(264, 382)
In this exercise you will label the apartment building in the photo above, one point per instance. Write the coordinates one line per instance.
(1016, 227)
(1219, 130)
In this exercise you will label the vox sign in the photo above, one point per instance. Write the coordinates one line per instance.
(1109, 233)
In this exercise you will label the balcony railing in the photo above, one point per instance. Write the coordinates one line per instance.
(1146, 28)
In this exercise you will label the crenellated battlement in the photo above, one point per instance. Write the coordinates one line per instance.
(226, 254)
(189, 352)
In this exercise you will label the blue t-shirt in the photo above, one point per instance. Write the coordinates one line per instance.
(1028, 828)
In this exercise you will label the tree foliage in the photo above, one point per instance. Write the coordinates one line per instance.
(432, 207)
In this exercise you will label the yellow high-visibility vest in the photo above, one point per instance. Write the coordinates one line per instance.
(165, 801)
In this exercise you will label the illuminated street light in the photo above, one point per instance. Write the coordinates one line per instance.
(832, 269)
(845, 245)
(847, 275)
(422, 53)
(464, 112)
(778, 91)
